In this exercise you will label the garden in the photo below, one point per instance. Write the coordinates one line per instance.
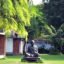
(46, 59)
(34, 20)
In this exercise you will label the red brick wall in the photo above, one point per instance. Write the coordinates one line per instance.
(16, 43)
(2, 44)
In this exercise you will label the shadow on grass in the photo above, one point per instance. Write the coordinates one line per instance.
(20, 58)
(38, 61)
(14, 57)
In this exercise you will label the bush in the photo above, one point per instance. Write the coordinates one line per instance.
(42, 50)
(54, 51)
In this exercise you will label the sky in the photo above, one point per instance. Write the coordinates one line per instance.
(36, 2)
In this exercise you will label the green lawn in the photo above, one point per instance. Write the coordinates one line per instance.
(53, 59)
(47, 59)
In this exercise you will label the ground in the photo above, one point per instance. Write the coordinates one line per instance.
(53, 59)
(47, 59)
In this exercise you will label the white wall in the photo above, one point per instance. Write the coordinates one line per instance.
(9, 45)
(21, 47)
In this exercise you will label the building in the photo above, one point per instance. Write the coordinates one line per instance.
(10, 45)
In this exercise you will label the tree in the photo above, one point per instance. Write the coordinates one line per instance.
(54, 16)
(39, 26)
(54, 12)
(16, 15)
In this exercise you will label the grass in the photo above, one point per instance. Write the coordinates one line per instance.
(53, 59)
(47, 59)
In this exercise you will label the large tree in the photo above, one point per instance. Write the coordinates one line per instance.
(15, 15)
(39, 27)
(54, 11)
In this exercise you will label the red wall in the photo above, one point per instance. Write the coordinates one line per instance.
(16, 43)
(2, 44)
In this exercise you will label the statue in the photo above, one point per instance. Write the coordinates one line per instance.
(31, 51)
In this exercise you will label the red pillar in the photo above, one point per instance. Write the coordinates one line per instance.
(2, 45)
(16, 43)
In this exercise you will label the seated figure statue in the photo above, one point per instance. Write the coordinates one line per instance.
(31, 50)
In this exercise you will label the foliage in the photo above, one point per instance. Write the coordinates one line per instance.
(54, 51)
(15, 15)
(54, 12)
(39, 27)
(54, 16)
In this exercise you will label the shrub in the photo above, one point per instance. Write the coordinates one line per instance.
(54, 51)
